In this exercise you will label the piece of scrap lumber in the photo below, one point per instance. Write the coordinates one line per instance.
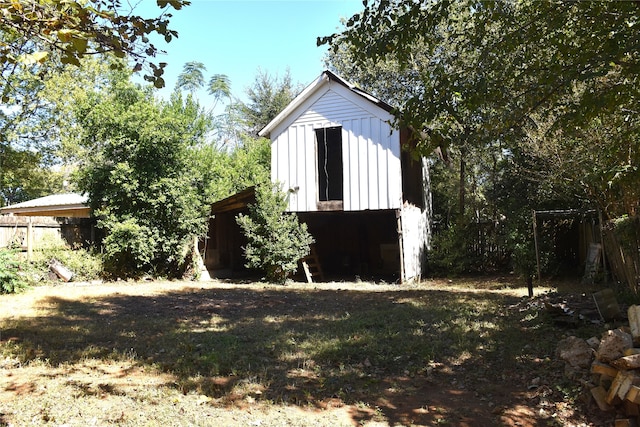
(600, 396)
(633, 313)
(620, 386)
(633, 395)
(603, 369)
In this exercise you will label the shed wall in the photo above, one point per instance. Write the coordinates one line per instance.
(415, 226)
(370, 152)
(415, 241)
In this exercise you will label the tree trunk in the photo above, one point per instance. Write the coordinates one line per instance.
(462, 190)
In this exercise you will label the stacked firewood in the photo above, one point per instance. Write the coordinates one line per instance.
(614, 364)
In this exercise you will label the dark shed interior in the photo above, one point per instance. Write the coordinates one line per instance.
(352, 245)
(349, 245)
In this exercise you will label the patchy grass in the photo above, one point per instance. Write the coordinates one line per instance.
(185, 353)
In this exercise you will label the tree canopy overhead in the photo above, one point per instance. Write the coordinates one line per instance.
(519, 75)
(532, 104)
(506, 59)
(41, 40)
(34, 32)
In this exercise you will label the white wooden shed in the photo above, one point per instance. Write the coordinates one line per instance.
(337, 153)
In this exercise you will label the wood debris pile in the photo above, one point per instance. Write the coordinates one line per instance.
(612, 365)
(566, 310)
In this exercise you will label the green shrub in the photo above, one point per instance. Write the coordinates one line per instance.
(10, 278)
(276, 239)
(450, 255)
(523, 258)
(627, 232)
(128, 249)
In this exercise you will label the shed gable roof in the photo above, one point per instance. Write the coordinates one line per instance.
(312, 90)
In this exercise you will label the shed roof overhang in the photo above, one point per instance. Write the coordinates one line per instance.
(71, 205)
(237, 202)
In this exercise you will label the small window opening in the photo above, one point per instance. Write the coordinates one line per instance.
(329, 143)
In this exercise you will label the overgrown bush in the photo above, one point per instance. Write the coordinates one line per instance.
(142, 181)
(627, 231)
(10, 279)
(276, 239)
(128, 249)
(523, 258)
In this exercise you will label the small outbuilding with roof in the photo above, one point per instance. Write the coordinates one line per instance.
(338, 153)
(69, 205)
(68, 215)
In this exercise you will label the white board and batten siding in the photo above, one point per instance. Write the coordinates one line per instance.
(370, 151)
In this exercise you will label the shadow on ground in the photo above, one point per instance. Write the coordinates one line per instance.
(404, 357)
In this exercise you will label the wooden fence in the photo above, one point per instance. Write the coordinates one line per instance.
(563, 241)
(622, 249)
(487, 241)
(14, 230)
(481, 244)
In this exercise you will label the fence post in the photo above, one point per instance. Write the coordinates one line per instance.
(29, 239)
(535, 241)
(604, 256)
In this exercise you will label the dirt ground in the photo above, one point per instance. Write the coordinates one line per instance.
(128, 391)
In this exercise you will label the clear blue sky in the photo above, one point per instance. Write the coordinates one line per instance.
(237, 38)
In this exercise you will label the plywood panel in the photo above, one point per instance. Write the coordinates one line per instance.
(279, 153)
(311, 173)
(297, 184)
(293, 165)
(415, 241)
(363, 165)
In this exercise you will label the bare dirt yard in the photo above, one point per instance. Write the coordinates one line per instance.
(453, 353)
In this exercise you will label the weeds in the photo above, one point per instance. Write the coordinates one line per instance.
(85, 264)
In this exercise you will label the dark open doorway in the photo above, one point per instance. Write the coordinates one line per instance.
(329, 144)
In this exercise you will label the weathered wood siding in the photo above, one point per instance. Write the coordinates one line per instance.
(415, 241)
(415, 225)
(13, 230)
(370, 152)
